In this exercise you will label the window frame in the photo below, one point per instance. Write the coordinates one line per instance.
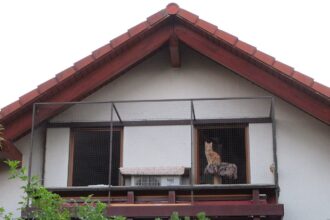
(72, 146)
(196, 163)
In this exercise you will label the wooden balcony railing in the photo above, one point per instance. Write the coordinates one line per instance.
(242, 201)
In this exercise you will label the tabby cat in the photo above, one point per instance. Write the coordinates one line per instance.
(211, 156)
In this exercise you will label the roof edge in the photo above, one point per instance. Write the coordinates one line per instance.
(172, 9)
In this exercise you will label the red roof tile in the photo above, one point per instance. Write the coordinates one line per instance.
(172, 8)
(157, 17)
(321, 88)
(137, 29)
(119, 40)
(308, 81)
(47, 85)
(28, 97)
(224, 36)
(247, 48)
(206, 26)
(283, 68)
(7, 110)
(188, 16)
(65, 74)
(265, 58)
(84, 62)
(102, 51)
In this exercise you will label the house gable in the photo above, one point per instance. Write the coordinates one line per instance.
(168, 27)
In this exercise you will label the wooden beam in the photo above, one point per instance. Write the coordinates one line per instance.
(191, 209)
(93, 80)
(175, 51)
(171, 197)
(130, 197)
(277, 86)
(255, 196)
(10, 152)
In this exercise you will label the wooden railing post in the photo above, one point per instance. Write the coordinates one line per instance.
(255, 196)
(171, 197)
(130, 197)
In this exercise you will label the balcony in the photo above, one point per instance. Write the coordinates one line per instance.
(189, 155)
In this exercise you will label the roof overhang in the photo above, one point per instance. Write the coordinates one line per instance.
(170, 26)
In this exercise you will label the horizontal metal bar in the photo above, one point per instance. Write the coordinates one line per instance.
(154, 100)
(233, 120)
(165, 188)
(158, 122)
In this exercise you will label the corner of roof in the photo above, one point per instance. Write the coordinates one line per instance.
(172, 8)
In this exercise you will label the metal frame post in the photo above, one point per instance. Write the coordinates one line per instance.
(110, 151)
(192, 173)
(31, 149)
(272, 115)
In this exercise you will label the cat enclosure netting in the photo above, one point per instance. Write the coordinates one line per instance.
(203, 141)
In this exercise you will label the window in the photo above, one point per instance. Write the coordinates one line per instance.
(228, 141)
(89, 157)
(147, 181)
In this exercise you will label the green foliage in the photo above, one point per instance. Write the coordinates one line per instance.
(91, 209)
(202, 216)
(4, 216)
(175, 216)
(50, 206)
(47, 205)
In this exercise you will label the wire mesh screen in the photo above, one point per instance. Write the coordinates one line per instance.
(222, 154)
(232, 108)
(88, 112)
(158, 133)
(157, 110)
(91, 157)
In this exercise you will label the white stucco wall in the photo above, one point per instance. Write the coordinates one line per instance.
(157, 146)
(57, 157)
(304, 161)
(303, 142)
(261, 153)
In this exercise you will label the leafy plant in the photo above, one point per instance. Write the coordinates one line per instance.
(4, 216)
(202, 216)
(50, 206)
(91, 209)
(47, 205)
(175, 216)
